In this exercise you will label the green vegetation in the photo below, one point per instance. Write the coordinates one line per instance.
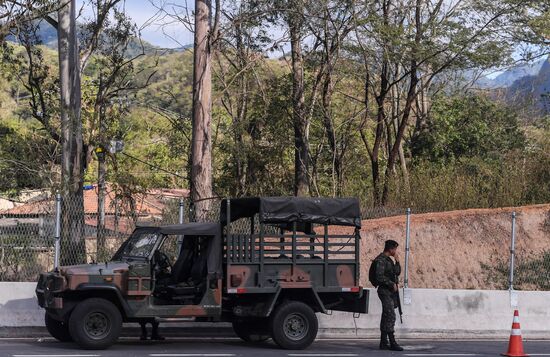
(377, 112)
(475, 152)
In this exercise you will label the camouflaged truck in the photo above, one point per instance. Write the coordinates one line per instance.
(267, 267)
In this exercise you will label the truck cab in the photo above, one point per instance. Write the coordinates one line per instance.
(267, 267)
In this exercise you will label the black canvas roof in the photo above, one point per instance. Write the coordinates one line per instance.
(283, 210)
(192, 229)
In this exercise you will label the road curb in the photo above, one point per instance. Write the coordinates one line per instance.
(226, 331)
(127, 331)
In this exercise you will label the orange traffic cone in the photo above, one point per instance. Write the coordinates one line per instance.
(515, 346)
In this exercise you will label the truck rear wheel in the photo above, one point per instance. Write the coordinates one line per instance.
(294, 325)
(95, 324)
(251, 330)
(57, 329)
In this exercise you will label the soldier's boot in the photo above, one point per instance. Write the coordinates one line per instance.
(384, 344)
(155, 333)
(143, 336)
(393, 343)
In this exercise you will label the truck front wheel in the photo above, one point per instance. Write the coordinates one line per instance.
(57, 329)
(95, 324)
(294, 325)
(251, 330)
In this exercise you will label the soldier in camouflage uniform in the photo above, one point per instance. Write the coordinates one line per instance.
(387, 273)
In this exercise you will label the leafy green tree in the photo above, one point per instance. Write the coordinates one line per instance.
(468, 126)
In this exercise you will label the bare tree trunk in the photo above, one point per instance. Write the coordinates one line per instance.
(101, 174)
(101, 178)
(72, 157)
(201, 144)
(331, 135)
(396, 101)
(411, 96)
(242, 107)
(299, 118)
(380, 119)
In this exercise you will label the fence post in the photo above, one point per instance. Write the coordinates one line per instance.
(407, 296)
(180, 219)
(407, 248)
(513, 295)
(512, 252)
(57, 230)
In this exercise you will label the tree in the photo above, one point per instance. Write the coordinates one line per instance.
(75, 151)
(109, 102)
(72, 151)
(14, 13)
(331, 22)
(468, 126)
(405, 50)
(295, 22)
(201, 144)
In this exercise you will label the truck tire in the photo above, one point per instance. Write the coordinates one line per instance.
(95, 324)
(294, 325)
(57, 329)
(251, 330)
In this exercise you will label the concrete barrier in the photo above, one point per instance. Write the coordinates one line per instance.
(432, 313)
(451, 314)
(19, 306)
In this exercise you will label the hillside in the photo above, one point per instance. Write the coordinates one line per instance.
(512, 74)
(533, 89)
(466, 249)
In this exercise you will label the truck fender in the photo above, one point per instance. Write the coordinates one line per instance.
(91, 287)
(295, 294)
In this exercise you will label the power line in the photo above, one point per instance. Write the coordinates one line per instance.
(154, 166)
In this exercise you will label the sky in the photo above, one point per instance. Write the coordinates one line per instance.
(155, 26)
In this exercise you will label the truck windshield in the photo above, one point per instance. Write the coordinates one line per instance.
(139, 245)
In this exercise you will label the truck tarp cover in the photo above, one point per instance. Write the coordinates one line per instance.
(197, 229)
(282, 210)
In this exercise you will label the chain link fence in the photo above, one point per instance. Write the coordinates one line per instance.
(477, 249)
(89, 234)
(26, 244)
(528, 267)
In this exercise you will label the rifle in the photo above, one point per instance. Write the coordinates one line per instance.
(399, 303)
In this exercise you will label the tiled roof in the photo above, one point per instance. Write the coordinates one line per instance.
(152, 202)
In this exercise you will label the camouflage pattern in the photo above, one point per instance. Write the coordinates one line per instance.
(387, 273)
(325, 261)
(387, 321)
(310, 265)
(134, 282)
(303, 274)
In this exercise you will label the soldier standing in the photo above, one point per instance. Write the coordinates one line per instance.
(387, 273)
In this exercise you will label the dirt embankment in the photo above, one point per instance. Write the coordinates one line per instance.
(460, 249)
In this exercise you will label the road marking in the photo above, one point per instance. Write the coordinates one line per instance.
(322, 354)
(413, 348)
(440, 354)
(191, 355)
(56, 355)
(539, 354)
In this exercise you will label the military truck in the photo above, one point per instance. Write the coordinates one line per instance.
(267, 267)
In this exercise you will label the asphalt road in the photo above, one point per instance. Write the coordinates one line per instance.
(232, 347)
